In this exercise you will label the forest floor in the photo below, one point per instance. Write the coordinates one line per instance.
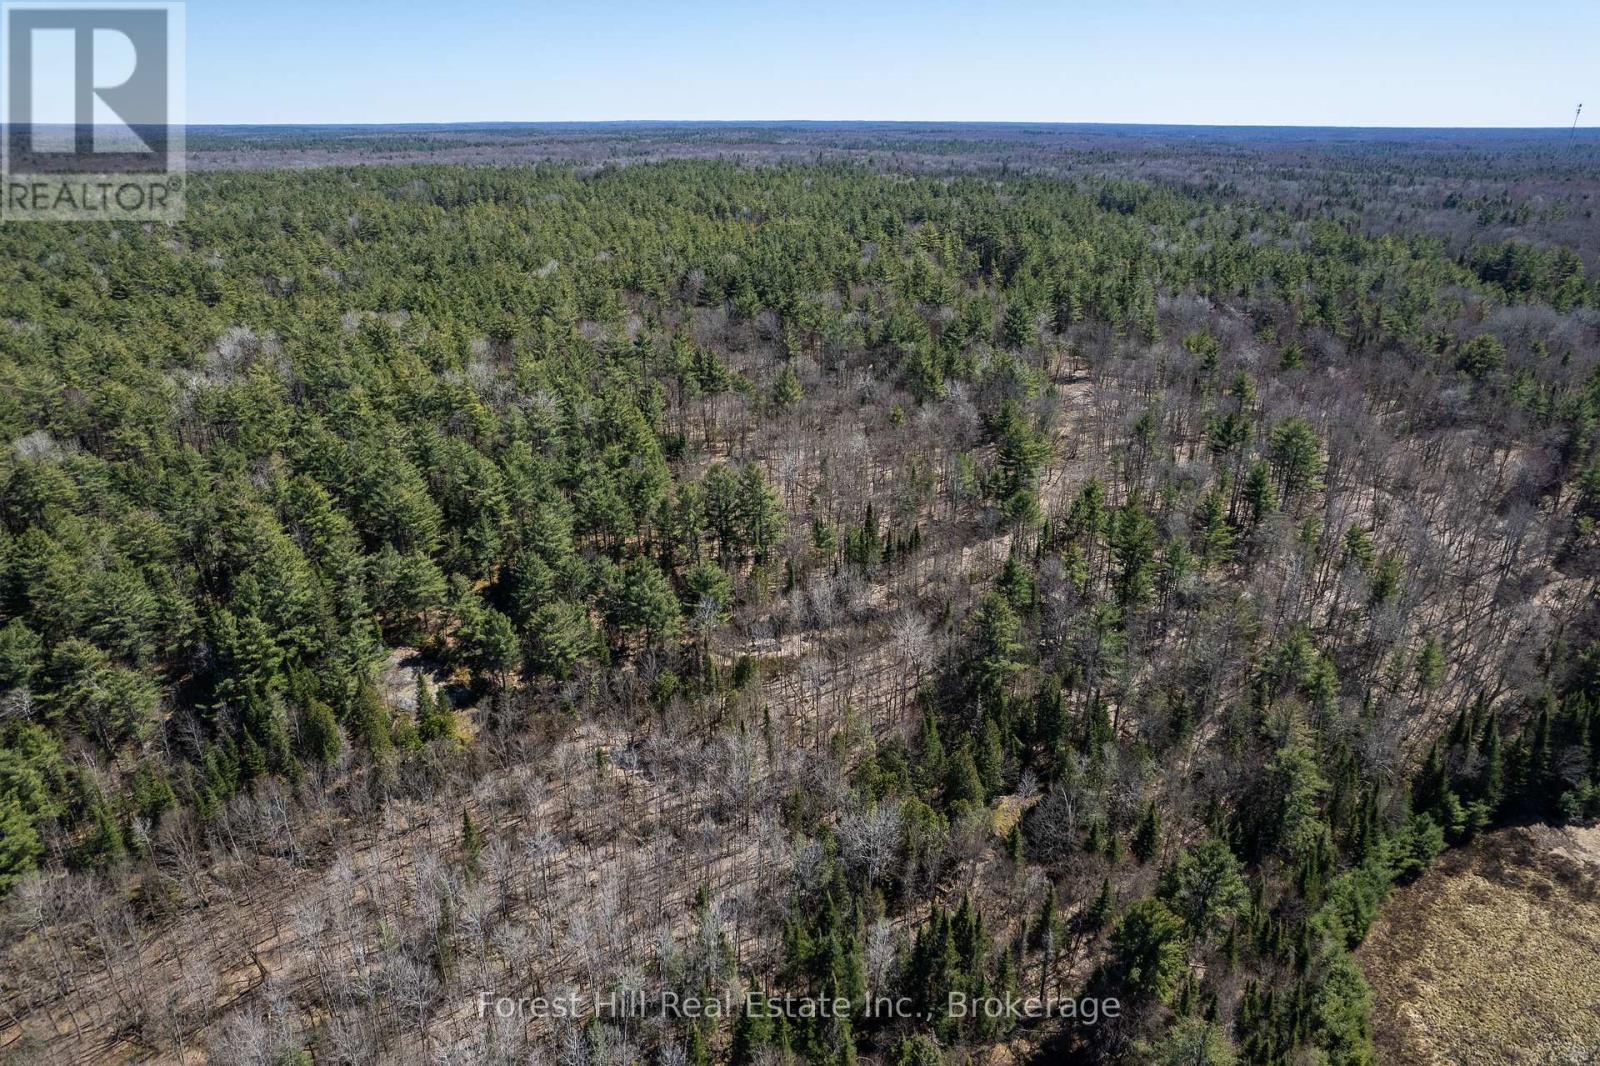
(1492, 958)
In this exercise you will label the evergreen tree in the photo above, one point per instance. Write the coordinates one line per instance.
(1213, 534)
(751, 1032)
(320, 739)
(761, 517)
(641, 600)
(1044, 926)
(369, 722)
(1206, 887)
(1133, 546)
(1491, 774)
(21, 654)
(1099, 913)
(20, 846)
(559, 637)
(963, 785)
(1296, 455)
(1260, 498)
(933, 766)
(786, 392)
(995, 649)
(490, 643)
(1147, 837)
(1147, 951)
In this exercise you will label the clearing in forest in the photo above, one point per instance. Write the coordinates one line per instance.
(1493, 957)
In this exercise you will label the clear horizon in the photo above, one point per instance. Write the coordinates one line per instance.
(1471, 65)
(538, 122)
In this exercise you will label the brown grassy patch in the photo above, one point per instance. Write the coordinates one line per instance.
(1492, 958)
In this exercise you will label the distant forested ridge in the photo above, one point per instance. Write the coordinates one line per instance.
(1086, 586)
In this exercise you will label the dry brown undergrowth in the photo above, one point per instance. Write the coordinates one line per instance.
(1493, 957)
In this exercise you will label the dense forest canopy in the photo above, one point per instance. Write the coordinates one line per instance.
(981, 581)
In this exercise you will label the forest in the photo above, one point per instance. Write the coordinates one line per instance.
(811, 576)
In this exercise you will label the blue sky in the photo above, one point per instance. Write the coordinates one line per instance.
(1402, 63)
